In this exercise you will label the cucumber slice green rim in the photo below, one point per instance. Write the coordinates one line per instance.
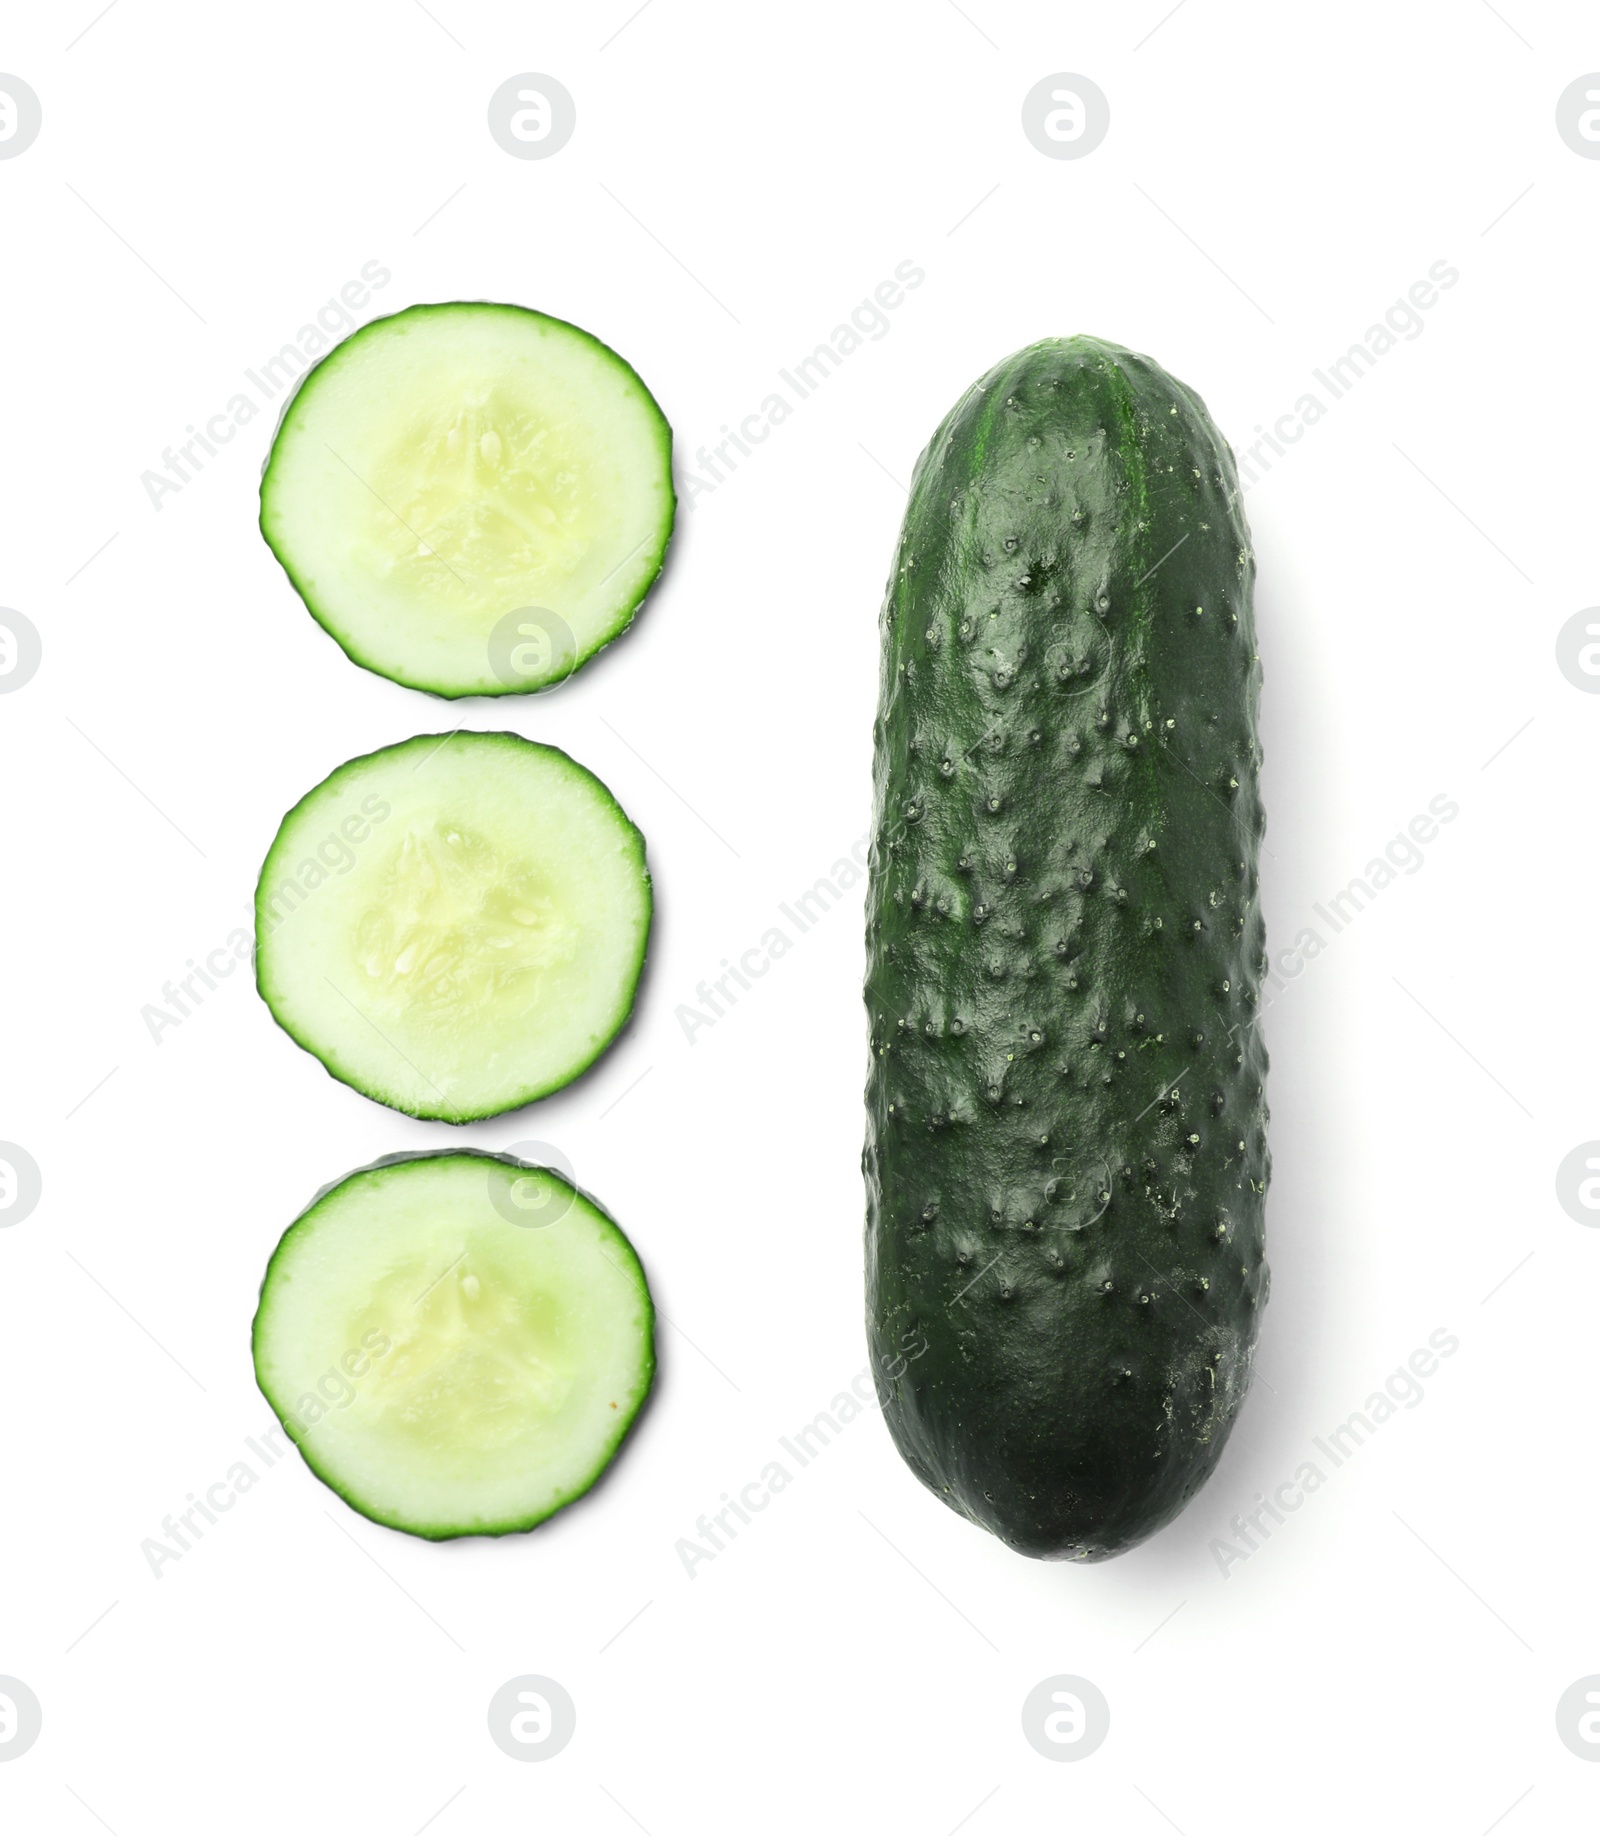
(457, 1343)
(455, 925)
(470, 498)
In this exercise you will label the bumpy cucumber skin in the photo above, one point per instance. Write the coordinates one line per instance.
(442, 1112)
(443, 1532)
(279, 546)
(1066, 1158)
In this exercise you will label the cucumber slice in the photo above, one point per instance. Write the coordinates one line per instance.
(454, 925)
(446, 1367)
(449, 467)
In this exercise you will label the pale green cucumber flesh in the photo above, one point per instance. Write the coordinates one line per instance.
(455, 925)
(457, 1343)
(448, 467)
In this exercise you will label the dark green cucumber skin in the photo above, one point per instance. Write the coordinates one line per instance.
(1066, 1158)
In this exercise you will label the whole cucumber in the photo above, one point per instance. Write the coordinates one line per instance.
(1066, 1158)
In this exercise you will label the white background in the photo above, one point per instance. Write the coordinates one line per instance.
(1273, 180)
